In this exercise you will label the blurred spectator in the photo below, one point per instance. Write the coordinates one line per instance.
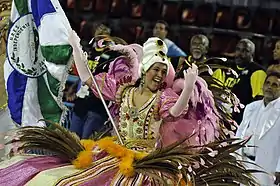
(248, 82)
(261, 122)
(102, 29)
(276, 52)
(199, 46)
(160, 30)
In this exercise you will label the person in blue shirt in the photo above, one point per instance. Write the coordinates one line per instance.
(160, 30)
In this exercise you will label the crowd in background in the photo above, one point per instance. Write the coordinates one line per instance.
(250, 74)
(256, 87)
(255, 83)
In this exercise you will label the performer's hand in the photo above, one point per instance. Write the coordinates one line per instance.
(80, 58)
(277, 180)
(74, 39)
(182, 103)
(190, 76)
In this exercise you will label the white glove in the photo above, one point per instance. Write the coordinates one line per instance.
(190, 77)
(74, 39)
(189, 83)
(80, 57)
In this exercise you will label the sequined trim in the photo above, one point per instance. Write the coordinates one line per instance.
(120, 180)
(61, 91)
(99, 167)
(135, 123)
(121, 92)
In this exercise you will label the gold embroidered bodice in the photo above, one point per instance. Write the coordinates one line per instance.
(137, 125)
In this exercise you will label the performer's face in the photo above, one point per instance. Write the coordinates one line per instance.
(155, 76)
(271, 89)
(276, 51)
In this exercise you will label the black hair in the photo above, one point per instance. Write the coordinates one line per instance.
(104, 22)
(85, 34)
(165, 23)
(137, 83)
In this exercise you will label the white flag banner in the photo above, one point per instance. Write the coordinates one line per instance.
(38, 57)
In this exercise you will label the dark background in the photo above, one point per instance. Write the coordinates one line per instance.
(223, 21)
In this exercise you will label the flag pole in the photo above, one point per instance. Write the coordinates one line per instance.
(105, 106)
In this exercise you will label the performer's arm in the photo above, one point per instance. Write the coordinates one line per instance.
(107, 84)
(183, 101)
(80, 58)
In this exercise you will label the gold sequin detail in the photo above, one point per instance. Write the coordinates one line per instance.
(139, 130)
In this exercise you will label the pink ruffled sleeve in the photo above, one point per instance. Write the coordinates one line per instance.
(168, 99)
(200, 124)
(107, 85)
(120, 72)
(120, 68)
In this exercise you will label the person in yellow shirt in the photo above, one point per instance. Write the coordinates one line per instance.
(248, 81)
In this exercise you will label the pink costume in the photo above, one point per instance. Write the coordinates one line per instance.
(200, 122)
(139, 127)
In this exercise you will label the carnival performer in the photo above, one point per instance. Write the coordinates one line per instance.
(143, 106)
(148, 96)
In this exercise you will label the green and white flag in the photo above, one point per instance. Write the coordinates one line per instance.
(38, 57)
